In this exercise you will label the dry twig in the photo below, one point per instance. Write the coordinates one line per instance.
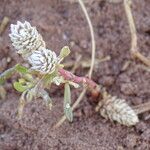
(134, 48)
(87, 63)
(141, 108)
(77, 63)
(4, 24)
(92, 36)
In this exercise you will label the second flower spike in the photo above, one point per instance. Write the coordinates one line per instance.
(43, 60)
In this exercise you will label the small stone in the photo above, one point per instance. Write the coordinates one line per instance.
(141, 127)
(146, 135)
(119, 147)
(78, 113)
(137, 101)
(65, 37)
(128, 89)
(84, 44)
(131, 140)
(8, 59)
(72, 43)
(87, 111)
(108, 81)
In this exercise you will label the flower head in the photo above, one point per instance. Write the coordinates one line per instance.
(118, 110)
(25, 38)
(43, 60)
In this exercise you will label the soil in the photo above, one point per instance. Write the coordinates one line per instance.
(63, 23)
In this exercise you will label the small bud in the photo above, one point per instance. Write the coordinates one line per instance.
(65, 51)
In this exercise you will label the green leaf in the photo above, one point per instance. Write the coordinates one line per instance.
(67, 94)
(48, 78)
(28, 77)
(19, 87)
(22, 81)
(6, 74)
(2, 80)
(65, 51)
(21, 69)
(68, 113)
(67, 101)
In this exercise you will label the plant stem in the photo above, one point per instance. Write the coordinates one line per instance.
(79, 80)
(92, 36)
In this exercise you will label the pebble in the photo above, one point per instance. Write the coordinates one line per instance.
(141, 127)
(131, 140)
(137, 101)
(108, 81)
(128, 89)
(87, 110)
(146, 135)
(84, 44)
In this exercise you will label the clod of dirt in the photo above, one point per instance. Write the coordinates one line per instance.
(131, 141)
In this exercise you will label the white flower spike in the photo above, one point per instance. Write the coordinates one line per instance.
(43, 60)
(118, 110)
(25, 38)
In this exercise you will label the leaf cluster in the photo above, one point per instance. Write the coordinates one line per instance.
(33, 85)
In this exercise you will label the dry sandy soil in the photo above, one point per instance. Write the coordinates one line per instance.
(63, 23)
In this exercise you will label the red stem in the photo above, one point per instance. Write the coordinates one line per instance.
(80, 80)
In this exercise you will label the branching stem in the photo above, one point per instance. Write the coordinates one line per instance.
(134, 48)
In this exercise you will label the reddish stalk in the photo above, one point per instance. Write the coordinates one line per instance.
(79, 80)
